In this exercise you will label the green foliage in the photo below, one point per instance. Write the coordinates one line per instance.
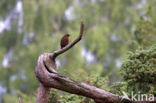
(5, 6)
(109, 29)
(65, 98)
(119, 88)
(11, 99)
(98, 43)
(8, 98)
(145, 32)
(139, 71)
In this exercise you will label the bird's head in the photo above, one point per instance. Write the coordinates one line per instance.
(66, 35)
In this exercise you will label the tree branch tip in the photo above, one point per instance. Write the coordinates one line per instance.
(82, 23)
(81, 28)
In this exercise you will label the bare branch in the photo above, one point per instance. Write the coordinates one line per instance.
(57, 81)
(70, 45)
(49, 78)
(43, 94)
(20, 100)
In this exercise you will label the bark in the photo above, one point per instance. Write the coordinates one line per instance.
(48, 77)
(43, 94)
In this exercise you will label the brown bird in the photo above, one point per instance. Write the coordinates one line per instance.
(64, 40)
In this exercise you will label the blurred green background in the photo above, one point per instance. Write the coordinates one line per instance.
(29, 28)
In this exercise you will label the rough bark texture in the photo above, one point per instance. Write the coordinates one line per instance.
(49, 78)
(43, 92)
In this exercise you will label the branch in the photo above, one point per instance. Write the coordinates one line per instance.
(20, 100)
(60, 82)
(43, 94)
(57, 81)
(70, 45)
(49, 78)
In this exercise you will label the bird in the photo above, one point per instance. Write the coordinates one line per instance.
(64, 40)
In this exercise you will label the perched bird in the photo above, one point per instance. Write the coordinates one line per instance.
(64, 40)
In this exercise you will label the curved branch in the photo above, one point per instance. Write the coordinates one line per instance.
(70, 45)
(49, 78)
(54, 80)
(57, 81)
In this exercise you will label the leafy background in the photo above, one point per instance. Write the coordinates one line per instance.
(29, 28)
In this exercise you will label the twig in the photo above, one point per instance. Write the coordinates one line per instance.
(20, 100)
